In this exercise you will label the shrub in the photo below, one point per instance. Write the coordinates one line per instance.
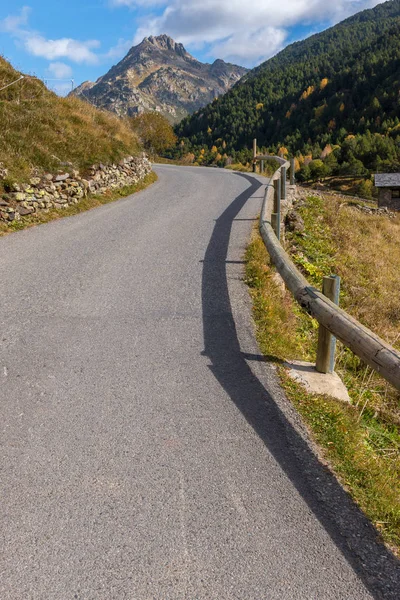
(154, 131)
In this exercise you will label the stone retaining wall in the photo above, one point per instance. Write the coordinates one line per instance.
(66, 188)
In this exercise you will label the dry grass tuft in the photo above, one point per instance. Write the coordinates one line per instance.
(368, 258)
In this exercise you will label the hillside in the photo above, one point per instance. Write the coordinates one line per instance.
(41, 131)
(333, 96)
(159, 74)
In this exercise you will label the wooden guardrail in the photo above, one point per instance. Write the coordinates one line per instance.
(333, 321)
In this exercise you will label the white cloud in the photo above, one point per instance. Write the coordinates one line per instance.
(251, 46)
(137, 3)
(75, 50)
(60, 70)
(14, 22)
(79, 52)
(233, 29)
(119, 50)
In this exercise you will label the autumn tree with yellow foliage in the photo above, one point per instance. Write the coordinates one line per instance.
(155, 132)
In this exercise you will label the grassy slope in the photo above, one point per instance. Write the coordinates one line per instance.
(361, 441)
(40, 130)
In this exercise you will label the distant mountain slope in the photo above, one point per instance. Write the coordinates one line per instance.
(161, 75)
(315, 94)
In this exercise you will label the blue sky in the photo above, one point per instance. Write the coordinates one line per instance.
(61, 41)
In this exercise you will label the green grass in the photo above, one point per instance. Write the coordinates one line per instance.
(276, 315)
(361, 443)
(92, 201)
(270, 167)
(315, 249)
(172, 161)
(239, 167)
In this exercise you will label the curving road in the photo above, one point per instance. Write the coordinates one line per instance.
(147, 451)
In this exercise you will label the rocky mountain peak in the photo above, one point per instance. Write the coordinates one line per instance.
(159, 74)
(165, 42)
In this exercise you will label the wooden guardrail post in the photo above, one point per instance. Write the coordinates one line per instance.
(276, 215)
(292, 173)
(262, 167)
(326, 341)
(277, 195)
(283, 182)
(275, 224)
(254, 155)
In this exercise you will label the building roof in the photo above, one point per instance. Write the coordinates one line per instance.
(389, 180)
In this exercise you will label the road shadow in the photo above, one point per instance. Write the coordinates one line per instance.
(344, 522)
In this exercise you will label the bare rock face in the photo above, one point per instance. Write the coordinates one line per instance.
(294, 221)
(159, 74)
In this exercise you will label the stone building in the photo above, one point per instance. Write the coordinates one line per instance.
(388, 185)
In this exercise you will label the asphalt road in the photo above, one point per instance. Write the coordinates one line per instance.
(147, 451)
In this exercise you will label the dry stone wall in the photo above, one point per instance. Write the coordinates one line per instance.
(66, 188)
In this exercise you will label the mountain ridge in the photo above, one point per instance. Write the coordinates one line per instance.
(159, 74)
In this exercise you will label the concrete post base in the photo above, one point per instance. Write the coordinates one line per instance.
(317, 383)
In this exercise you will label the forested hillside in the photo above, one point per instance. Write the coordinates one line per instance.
(333, 100)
